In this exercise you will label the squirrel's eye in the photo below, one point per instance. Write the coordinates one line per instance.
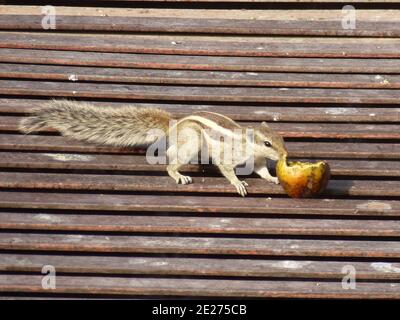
(267, 144)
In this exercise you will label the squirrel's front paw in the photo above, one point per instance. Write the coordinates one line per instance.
(241, 187)
(184, 179)
(274, 180)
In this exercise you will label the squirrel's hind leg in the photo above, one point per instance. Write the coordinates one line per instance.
(173, 172)
(177, 157)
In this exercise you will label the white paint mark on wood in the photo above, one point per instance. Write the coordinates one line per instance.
(137, 261)
(159, 263)
(69, 157)
(289, 264)
(73, 77)
(339, 111)
(374, 206)
(46, 217)
(385, 267)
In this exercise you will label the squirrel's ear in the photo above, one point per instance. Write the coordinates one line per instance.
(264, 124)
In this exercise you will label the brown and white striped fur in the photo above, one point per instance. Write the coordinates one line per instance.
(130, 125)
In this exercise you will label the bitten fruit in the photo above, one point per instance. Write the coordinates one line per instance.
(303, 179)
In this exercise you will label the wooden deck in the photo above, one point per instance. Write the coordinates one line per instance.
(114, 225)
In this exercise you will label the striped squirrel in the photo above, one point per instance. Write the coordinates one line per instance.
(130, 126)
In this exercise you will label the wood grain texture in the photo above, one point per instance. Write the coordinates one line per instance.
(353, 150)
(180, 266)
(287, 130)
(197, 224)
(76, 161)
(186, 77)
(166, 184)
(208, 204)
(220, 46)
(241, 113)
(199, 93)
(204, 25)
(199, 245)
(105, 211)
(191, 62)
(257, 14)
(200, 287)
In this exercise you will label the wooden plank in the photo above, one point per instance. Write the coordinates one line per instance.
(215, 204)
(166, 184)
(287, 130)
(203, 25)
(186, 77)
(257, 14)
(199, 287)
(216, 46)
(139, 163)
(190, 62)
(317, 150)
(32, 142)
(198, 224)
(243, 113)
(197, 266)
(191, 93)
(199, 245)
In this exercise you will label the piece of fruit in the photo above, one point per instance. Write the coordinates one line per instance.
(303, 179)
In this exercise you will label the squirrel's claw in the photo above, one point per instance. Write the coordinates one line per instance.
(274, 180)
(184, 179)
(241, 187)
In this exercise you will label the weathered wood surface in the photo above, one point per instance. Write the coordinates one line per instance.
(243, 113)
(76, 161)
(200, 287)
(203, 25)
(197, 45)
(166, 184)
(198, 93)
(198, 224)
(186, 77)
(190, 62)
(132, 265)
(207, 204)
(199, 245)
(106, 211)
(302, 14)
(351, 150)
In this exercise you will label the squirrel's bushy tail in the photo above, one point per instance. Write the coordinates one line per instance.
(123, 126)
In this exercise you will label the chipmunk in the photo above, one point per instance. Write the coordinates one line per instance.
(129, 126)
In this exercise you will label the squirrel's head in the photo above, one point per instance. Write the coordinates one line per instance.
(270, 143)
